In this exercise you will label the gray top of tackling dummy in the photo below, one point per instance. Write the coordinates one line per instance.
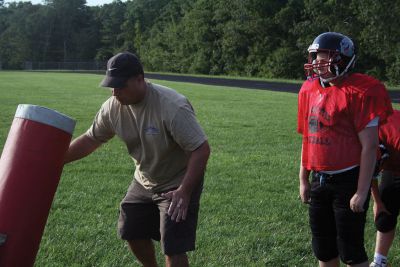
(46, 116)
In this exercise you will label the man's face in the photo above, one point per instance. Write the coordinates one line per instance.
(322, 63)
(133, 92)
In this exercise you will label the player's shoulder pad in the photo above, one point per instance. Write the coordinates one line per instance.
(308, 84)
(362, 84)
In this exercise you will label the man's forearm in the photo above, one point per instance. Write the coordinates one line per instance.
(369, 143)
(367, 167)
(303, 174)
(196, 168)
(80, 147)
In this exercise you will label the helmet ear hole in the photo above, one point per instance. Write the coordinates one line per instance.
(313, 56)
(314, 62)
(332, 68)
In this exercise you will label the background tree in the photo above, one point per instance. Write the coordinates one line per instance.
(110, 17)
(70, 18)
(379, 40)
(15, 44)
(264, 38)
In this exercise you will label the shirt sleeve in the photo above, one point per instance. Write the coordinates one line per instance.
(186, 130)
(373, 103)
(101, 129)
(301, 112)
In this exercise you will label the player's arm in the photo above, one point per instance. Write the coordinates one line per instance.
(194, 174)
(80, 148)
(188, 134)
(195, 168)
(369, 142)
(304, 182)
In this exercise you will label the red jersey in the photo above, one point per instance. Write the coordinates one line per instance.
(331, 118)
(389, 135)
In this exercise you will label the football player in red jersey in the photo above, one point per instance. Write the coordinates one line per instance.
(387, 195)
(338, 116)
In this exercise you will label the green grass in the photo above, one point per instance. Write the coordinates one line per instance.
(250, 213)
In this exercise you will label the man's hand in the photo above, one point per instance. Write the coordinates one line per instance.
(179, 204)
(357, 202)
(180, 198)
(305, 191)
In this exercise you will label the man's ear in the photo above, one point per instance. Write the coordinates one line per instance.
(136, 79)
(139, 77)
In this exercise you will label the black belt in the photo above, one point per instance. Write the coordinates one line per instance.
(325, 178)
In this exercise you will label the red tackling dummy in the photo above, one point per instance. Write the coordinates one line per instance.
(30, 169)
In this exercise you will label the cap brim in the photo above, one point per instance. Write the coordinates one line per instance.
(113, 82)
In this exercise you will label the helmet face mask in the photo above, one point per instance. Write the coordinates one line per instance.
(331, 55)
(324, 67)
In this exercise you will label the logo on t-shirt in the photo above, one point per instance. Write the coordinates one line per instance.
(151, 130)
(318, 122)
(316, 118)
(314, 125)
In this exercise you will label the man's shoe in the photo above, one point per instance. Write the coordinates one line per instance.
(374, 264)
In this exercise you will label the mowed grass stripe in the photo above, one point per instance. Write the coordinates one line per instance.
(250, 213)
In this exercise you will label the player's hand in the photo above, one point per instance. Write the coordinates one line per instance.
(179, 204)
(357, 202)
(305, 192)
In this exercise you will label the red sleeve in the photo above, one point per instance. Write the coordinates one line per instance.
(301, 110)
(389, 135)
(373, 102)
(300, 115)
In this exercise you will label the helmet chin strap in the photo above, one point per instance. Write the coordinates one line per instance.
(337, 71)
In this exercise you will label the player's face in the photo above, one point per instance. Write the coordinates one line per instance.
(322, 65)
(133, 92)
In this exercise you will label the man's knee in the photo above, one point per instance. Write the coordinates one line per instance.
(352, 253)
(144, 251)
(385, 222)
(324, 256)
(177, 260)
(324, 250)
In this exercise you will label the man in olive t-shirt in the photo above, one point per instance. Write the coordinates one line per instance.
(170, 151)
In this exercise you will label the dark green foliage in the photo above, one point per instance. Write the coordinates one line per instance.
(110, 18)
(265, 38)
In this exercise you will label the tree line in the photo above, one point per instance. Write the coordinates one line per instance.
(258, 38)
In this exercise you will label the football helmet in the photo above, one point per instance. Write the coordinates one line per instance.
(340, 59)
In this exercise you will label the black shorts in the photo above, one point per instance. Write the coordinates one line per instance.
(143, 215)
(389, 191)
(336, 229)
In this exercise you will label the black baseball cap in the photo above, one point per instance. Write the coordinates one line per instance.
(120, 68)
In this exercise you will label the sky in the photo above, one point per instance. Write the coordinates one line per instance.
(88, 2)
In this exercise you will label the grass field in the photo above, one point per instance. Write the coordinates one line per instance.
(250, 213)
